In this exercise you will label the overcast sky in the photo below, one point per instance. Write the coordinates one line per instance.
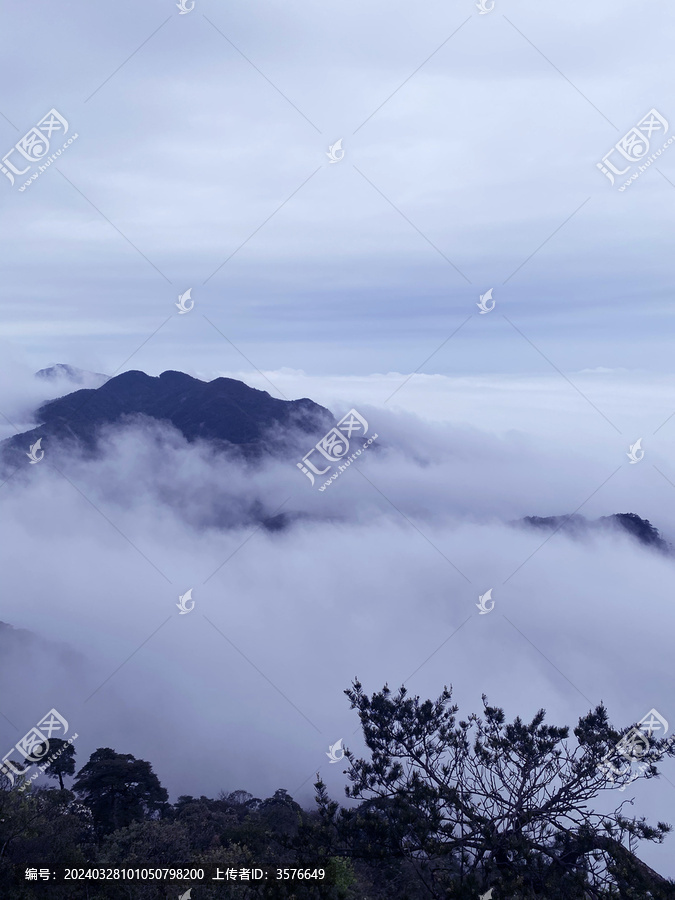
(193, 130)
(471, 145)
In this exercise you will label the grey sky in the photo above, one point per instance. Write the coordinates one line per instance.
(487, 150)
(338, 280)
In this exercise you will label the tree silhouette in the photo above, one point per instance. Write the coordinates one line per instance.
(62, 755)
(481, 803)
(444, 809)
(118, 789)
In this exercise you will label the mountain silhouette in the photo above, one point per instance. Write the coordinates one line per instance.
(231, 416)
(224, 411)
(575, 525)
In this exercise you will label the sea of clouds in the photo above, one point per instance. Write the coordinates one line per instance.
(376, 577)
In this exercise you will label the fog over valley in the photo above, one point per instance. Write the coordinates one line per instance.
(337, 450)
(297, 592)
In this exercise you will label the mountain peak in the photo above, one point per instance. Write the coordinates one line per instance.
(225, 411)
(72, 375)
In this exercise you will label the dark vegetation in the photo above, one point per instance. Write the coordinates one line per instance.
(439, 808)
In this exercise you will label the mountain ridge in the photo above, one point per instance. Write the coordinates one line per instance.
(578, 526)
(224, 410)
(230, 415)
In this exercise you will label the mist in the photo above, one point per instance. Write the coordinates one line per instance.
(377, 577)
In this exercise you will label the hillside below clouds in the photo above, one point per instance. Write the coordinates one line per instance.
(223, 411)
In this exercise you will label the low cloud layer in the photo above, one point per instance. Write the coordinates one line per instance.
(376, 577)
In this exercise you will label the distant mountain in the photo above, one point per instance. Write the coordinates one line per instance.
(20, 641)
(639, 528)
(231, 416)
(71, 375)
(224, 411)
(54, 666)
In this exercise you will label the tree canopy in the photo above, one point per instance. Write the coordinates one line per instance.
(119, 789)
(438, 807)
(481, 803)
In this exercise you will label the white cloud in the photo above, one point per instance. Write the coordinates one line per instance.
(352, 588)
(487, 150)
